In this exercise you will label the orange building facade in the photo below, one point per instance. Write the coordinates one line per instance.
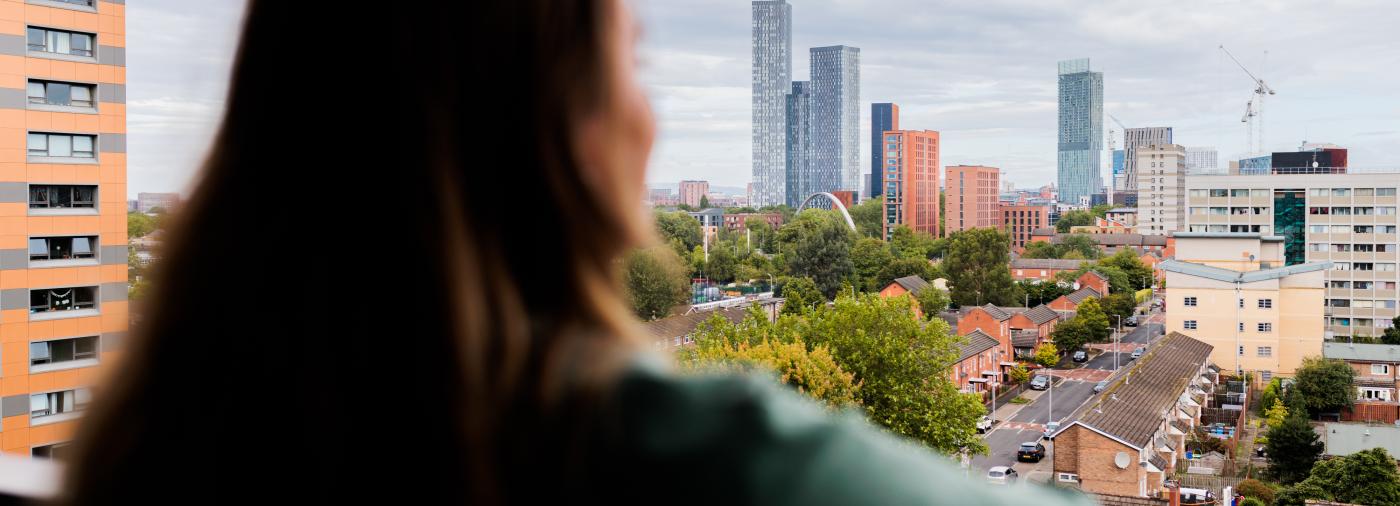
(63, 243)
(972, 192)
(1022, 221)
(911, 180)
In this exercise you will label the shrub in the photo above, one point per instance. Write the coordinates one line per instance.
(1252, 501)
(1257, 490)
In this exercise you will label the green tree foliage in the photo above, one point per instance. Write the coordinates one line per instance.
(1365, 477)
(904, 267)
(1297, 495)
(1392, 334)
(139, 224)
(1073, 218)
(1119, 305)
(932, 301)
(1047, 355)
(817, 245)
(1018, 374)
(976, 267)
(704, 202)
(1043, 292)
(800, 294)
(1270, 394)
(760, 236)
(869, 217)
(723, 263)
(1084, 244)
(1252, 501)
(1324, 385)
(812, 371)
(1089, 325)
(680, 227)
(654, 280)
(1256, 489)
(1276, 414)
(1137, 274)
(1040, 249)
(869, 256)
(1100, 210)
(782, 209)
(1199, 442)
(906, 243)
(1292, 449)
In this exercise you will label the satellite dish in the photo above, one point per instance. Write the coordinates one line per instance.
(1121, 460)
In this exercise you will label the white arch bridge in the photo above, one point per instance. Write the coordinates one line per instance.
(835, 202)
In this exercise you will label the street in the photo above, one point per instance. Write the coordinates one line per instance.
(1017, 424)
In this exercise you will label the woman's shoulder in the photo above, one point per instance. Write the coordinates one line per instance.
(756, 441)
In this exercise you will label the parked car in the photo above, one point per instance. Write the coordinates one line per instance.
(1030, 451)
(984, 424)
(1137, 353)
(1100, 386)
(1040, 382)
(1001, 475)
(1050, 429)
(1080, 356)
(1131, 321)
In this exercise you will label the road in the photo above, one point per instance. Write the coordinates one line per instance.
(1073, 388)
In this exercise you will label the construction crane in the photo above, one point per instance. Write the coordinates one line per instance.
(1111, 139)
(1254, 109)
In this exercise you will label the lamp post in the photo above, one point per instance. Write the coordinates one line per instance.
(1116, 340)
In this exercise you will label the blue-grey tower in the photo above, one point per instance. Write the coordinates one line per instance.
(1081, 130)
(835, 153)
(772, 78)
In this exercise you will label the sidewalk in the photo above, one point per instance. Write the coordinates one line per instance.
(1007, 411)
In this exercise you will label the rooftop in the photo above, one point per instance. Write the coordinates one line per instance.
(672, 327)
(1229, 276)
(1041, 314)
(1362, 352)
(975, 342)
(914, 284)
(1083, 293)
(1133, 406)
(1047, 263)
(997, 313)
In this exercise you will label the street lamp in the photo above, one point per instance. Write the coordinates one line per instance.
(1116, 339)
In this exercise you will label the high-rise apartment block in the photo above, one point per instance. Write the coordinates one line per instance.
(63, 249)
(1161, 189)
(1134, 138)
(771, 79)
(691, 192)
(1202, 160)
(911, 180)
(1348, 219)
(835, 151)
(972, 197)
(883, 118)
(1021, 221)
(799, 144)
(1080, 131)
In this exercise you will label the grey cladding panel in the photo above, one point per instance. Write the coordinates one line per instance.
(14, 192)
(114, 93)
(14, 405)
(113, 255)
(114, 291)
(111, 143)
(14, 298)
(111, 55)
(14, 259)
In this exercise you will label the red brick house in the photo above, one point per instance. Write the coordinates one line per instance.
(1093, 280)
(991, 320)
(1042, 269)
(1030, 328)
(1376, 367)
(978, 367)
(910, 285)
(1070, 303)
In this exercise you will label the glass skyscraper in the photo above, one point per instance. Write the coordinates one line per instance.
(799, 143)
(772, 78)
(1134, 138)
(883, 118)
(1081, 130)
(835, 145)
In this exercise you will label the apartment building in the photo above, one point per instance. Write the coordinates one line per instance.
(1161, 183)
(1021, 221)
(1233, 291)
(911, 181)
(691, 192)
(1348, 219)
(972, 197)
(63, 284)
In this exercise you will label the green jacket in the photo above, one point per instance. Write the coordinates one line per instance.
(747, 440)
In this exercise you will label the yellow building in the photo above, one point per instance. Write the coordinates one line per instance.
(1233, 291)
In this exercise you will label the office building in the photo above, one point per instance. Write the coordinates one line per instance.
(1161, 189)
(692, 192)
(883, 118)
(149, 202)
(771, 79)
(1118, 174)
(972, 197)
(63, 310)
(1080, 131)
(1021, 221)
(1347, 219)
(911, 181)
(1134, 138)
(799, 144)
(1202, 160)
(1233, 291)
(835, 152)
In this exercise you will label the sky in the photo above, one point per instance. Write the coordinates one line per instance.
(980, 72)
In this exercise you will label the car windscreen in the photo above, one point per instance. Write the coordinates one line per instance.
(996, 474)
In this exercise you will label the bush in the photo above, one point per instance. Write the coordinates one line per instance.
(1251, 501)
(1256, 490)
(1018, 374)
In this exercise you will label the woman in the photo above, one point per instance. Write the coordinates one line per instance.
(394, 284)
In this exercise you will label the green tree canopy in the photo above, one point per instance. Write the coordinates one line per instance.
(904, 267)
(976, 267)
(812, 371)
(679, 226)
(1100, 211)
(1089, 325)
(1119, 306)
(932, 301)
(817, 245)
(1047, 355)
(1073, 218)
(1127, 261)
(139, 224)
(1365, 477)
(1042, 292)
(1084, 244)
(800, 294)
(1292, 449)
(907, 243)
(1325, 385)
(723, 263)
(868, 257)
(654, 281)
(1040, 249)
(1392, 334)
(869, 217)
(704, 202)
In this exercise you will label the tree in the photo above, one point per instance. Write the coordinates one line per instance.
(868, 257)
(1364, 477)
(1138, 274)
(704, 202)
(817, 245)
(976, 266)
(679, 226)
(1270, 394)
(1041, 249)
(907, 243)
(1250, 487)
(654, 281)
(1091, 312)
(1276, 414)
(1018, 374)
(1297, 495)
(139, 224)
(1084, 244)
(1119, 305)
(723, 263)
(1324, 385)
(869, 217)
(1072, 334)
(932, 301)
(1392, 334)
(813, 372)
(1100, 210)
(1293, 447)
(800, 295)
(1047, 355)
(1073, 218)
(1037, 293)
(901, 268)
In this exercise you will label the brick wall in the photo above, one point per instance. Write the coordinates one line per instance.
(1090, 455)
(1119, 500)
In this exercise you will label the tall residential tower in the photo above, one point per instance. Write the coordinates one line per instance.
(1134, 138)
(835, 153)
(883, 118)
(1081, 130)
(799, 143)
(911, 180)
(772, 78)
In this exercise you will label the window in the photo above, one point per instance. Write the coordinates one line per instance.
(1340, 229)
(1266, 375)
(57, 93)
(62, 299)
(1264, 351)
(1265, 327)
(1339, 284)
(1363, 248)
(1379, 369)
(1317, 229)
(47, 40)
(1069, 477)
(1240, 352)
(61, 248)
(1317, 210)
(1189, 301)
(1341, 248)
(1341, 266)
(56, 451)
(60, 351)
(1241, 302)
(1385, 211)
(55, 403)
(1373, 394)
(1339, 302)
(1363, 229)
(1341, 211)
(1266, 303)
(1364, 211)
(1239, 193)
(1241, 326)
(1317, 192)
(62, 196)
(1189, 324)
(1362, 285)
(1385, 267)
(1317, 246)
(1218, 192)
(1385, 192)
(61, 145)
(1365, 192)
(1341, 192)
(1362, 266)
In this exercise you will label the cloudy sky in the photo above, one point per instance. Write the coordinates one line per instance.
(981, 72)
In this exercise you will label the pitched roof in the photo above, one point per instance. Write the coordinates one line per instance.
(975, 342)
(1024, 338)
(1230, 276)
(1096, 274)
(1120, 239)
(1083, 293)
(1041, 314)
(1132, 411)
(672, 327)
(1362, 352)
(996, 312)
(912, 283)
(1047, 263)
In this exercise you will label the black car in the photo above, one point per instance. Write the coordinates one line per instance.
(1030, 452)
(1080, 356)
(1131, 321)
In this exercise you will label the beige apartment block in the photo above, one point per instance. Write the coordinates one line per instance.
(1349, 220)
(972, 197)
(1231, 290)
(1161, 187)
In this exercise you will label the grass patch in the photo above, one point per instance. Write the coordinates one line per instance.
(1020, 400)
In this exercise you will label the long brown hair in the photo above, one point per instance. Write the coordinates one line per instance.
(391, 265)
